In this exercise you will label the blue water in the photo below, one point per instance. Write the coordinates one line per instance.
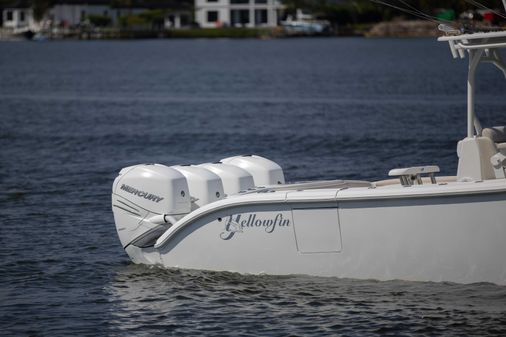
(73, 113)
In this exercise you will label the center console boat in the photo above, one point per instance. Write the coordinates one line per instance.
(238, 214)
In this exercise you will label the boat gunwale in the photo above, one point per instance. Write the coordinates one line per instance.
(249, 200)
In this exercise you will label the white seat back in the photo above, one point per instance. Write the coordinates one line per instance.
(498, 136)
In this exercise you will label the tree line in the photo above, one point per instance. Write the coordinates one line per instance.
(344, 12)
(340, 12)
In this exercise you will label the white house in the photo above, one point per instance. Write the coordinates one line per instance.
(237, 13)
(19, 18)
(74, 12)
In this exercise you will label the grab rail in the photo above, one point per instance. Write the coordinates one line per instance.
(411, 174)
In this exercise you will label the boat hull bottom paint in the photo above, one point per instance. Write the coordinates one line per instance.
(459, 239)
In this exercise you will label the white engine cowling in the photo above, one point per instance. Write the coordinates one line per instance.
(234, 178)
(204, 186)
(144, 198)
(264, 171)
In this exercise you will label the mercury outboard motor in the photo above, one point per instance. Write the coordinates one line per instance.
(265, 172)
(146, 200)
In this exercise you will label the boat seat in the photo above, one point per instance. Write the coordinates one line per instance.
(498, 136)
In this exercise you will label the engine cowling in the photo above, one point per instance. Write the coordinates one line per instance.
(145, 197)
(265, 172)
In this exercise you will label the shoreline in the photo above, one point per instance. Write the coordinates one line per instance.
(109, 33)
(390, 29)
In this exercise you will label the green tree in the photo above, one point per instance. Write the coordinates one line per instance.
(40, 8)
(99, 20)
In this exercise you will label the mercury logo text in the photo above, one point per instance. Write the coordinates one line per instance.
(140, 193)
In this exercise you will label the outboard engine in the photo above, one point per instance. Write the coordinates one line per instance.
(205, 186)
(264, 171)
(146, 200)
(234, 178)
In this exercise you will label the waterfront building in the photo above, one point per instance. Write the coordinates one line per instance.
(75, 12)
(237, 13)
(17, 16)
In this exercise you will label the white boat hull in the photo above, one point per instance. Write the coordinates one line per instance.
(459, 239)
